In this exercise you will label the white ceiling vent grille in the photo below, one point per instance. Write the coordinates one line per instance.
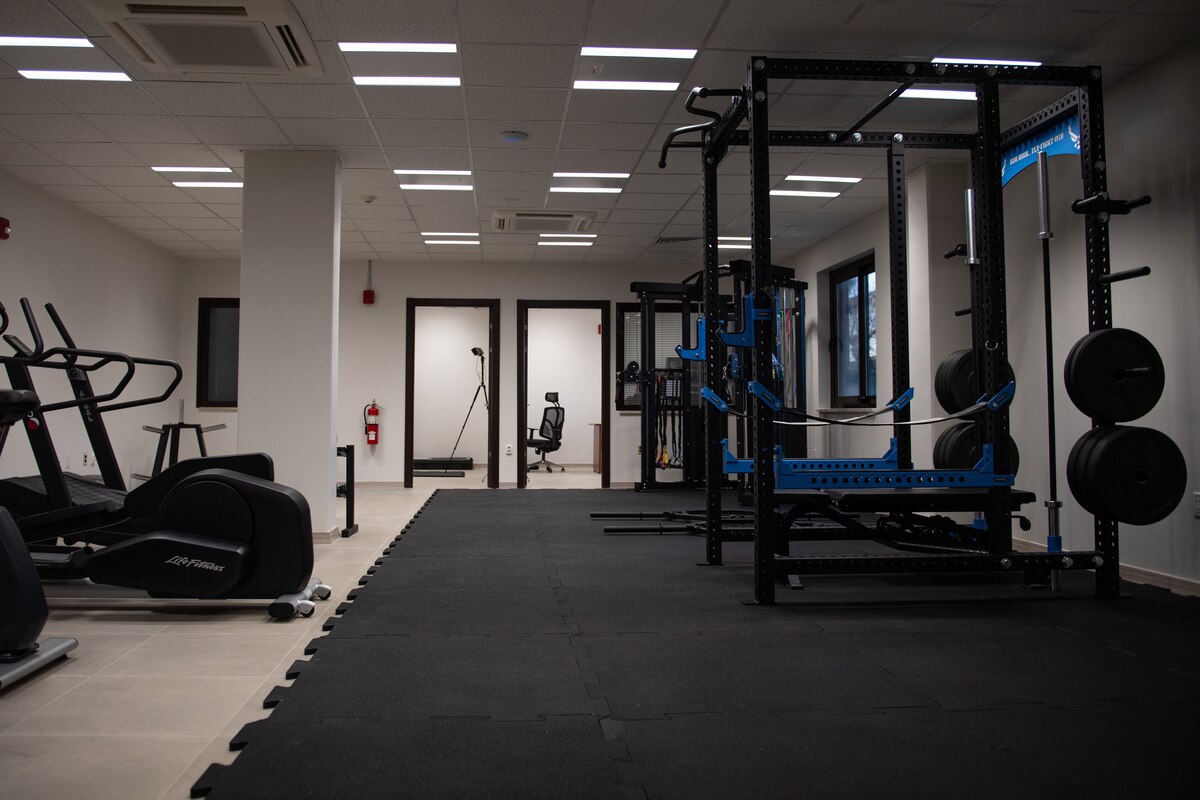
(257, 37)
(542, 221)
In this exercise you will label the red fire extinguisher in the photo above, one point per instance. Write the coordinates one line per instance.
(371, 422)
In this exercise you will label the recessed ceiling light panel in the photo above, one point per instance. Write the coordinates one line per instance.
(565, 244)
(71, 75)
(801, 193)
(397, 47)
(406, 80)
(437, 187)
(629, 86)
(997, 62)
(938, 94)
(822, 179)
(208, 184)
(612, 175)
(191, 169)
(42, 41)
(587, 189)
(637, 52)
(432, 171)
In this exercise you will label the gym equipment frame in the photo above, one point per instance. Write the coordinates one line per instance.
(985, 250)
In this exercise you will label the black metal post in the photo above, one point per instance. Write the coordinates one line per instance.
(898, 273)
(715, 426)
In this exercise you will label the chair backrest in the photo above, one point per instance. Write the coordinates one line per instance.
(552, 423)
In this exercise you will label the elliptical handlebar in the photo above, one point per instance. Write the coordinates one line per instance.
(16, 344)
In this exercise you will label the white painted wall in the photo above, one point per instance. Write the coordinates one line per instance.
(377, 369)
(113, 290)
(565, 357)
(446, 378)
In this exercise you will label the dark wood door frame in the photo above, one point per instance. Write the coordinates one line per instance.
(605, 309)
(493, 357)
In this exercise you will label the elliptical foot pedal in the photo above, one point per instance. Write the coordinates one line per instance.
(48, 650)
(289, 605)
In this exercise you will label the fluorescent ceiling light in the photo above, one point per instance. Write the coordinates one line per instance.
(821, 179)
(613, 175)
(405, 80)
(733, 238)
(795, 193)
(397, 47)
(999, 62)
(68, 75)
(42, 41)
(630, 86)
(938, 94)
(447, 233)
(451, 241)
(437, 187)
(565, 244)
(567, 235)
(191, 169)
(724, 246)
(209, 184)
(432, 171)
(637, 52)
(586, 189)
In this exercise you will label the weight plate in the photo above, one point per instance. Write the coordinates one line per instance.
(1077, 469)
(956, 449)
(1098, 379)
(1139, 472)
(954, 382)
(944, 444)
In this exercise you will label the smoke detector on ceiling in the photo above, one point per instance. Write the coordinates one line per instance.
(254, 37)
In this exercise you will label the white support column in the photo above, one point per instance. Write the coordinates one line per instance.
(287, 358)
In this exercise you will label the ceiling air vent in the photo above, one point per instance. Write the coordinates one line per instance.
(542, 221)
(256, 37)
(676, 239)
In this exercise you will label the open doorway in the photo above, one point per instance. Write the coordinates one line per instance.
(564, 349)
(451, 405)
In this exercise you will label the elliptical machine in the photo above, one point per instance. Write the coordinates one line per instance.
(203, 529)
(23, 610)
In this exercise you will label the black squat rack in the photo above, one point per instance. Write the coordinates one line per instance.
(937, 544)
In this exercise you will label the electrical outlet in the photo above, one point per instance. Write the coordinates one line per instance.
(66, 459)
(508, 449)
(85, 459)
(1196, 504)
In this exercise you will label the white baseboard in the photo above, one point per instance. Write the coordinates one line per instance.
(1172, 583)
(327, 537)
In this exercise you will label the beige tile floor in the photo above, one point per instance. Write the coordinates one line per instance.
(153, 695)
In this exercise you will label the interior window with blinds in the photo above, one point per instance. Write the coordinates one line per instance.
(217, 353)
(667, 333)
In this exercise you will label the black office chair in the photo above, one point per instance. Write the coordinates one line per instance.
(550, 432)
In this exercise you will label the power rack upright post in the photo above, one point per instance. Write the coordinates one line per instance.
(988, 488)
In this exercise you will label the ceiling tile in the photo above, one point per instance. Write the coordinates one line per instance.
(246, 132)
(356, 247)
(498, 159)
(218, 236)
(361, 211)
(670, 201)
(393, 237)
(464, 213)
(151, 194)
(506, 102)
(141, 128)
(86, 97)
(436, 198)
(84, 194)
(606, 136)
(511, 198)
(18, 153)
(421, 133)
(1027, 34)
(226, 210)
(176, 210)
(398, 102)
(28, 96)
(581, 201)
(642, 107)
(91, 154)
(328, 132)
(112, 209)
(124, 176)
(596, 160)
(641, 216)
(427, 158)
(522, 22)
(215, 195)
(639, 231)
(362, 157)
(388, 21)
(309, 100)
(198, 98)
(663, 183)
(1134, 39)
(175, 155)
(164, 235)
(663, 23)
(798, 26)
(198, 223)
(528, 66)
(368, 225)
(369, 179)
(903, 29)
(51, 128)
(513, 181)
(141, 223)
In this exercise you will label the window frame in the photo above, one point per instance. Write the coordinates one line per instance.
(204, 318)
(861, 268)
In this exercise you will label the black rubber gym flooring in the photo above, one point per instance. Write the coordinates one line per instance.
(508, 648)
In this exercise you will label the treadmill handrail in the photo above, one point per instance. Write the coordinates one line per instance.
(69, 355)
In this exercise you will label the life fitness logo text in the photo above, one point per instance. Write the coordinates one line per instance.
(195, 563)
